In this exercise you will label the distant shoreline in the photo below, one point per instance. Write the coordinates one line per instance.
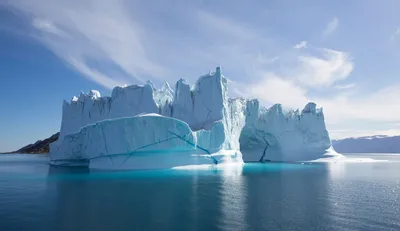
(39, 147)
(368, 144)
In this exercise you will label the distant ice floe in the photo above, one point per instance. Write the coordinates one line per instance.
(334, 157)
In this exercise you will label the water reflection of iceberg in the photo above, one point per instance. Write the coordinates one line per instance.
(233, 193)
(169, 201)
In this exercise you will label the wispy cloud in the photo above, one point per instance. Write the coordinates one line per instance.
(395, 34)
(352, 112)
(80, 33)
(228, 26)
(94, 34)
(266, 60)
(331, 27)
(302, 44)
(375, 107)
(346, 86)
(272, 89)
(47, 26)
(97, 76)
(118, 42)
(292, 87)
(318, 71)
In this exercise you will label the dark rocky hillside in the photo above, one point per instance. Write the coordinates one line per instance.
(40, 147)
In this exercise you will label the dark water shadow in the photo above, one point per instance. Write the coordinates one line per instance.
(285, 199)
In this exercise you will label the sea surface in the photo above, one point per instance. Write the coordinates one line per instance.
(257, 196)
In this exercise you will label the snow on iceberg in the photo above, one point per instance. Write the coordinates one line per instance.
(197, 125)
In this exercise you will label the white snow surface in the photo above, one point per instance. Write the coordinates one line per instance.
(126, 129)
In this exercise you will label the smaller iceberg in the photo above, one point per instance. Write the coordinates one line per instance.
(146, 141)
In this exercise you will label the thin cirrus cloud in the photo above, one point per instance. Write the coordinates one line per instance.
(257, 62)
(273, 89)
(395, 34)
(302, 44)
(331, 27)
(324, 71)
(358, 113)
(47, 26)
(345, 86)
(292, 85)
(341, 110)
(100, 31)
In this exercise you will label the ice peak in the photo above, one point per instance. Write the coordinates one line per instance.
(181, 81)
(164, 95)
(218, 70)
(166, 87)
(310, 108)
(93, 94)
(181, 84)
(148, 82)
(277, 108)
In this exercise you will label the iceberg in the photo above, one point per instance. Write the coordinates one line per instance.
(284, 136)
(141, 127)
(118, 144)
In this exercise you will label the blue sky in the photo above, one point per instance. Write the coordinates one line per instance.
(343, 55)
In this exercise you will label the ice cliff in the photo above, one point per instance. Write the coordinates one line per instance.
(140, 126)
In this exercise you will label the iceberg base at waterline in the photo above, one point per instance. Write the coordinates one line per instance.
(147, 141)
(165, 160)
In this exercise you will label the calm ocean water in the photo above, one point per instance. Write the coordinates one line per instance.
(270, 196)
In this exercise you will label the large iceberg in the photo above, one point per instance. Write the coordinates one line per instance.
(140, 126)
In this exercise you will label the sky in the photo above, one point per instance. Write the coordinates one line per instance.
(342, 55)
